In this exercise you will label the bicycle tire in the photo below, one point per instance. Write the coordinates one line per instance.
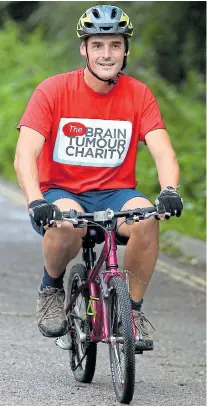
(119, 295)
(83, 373)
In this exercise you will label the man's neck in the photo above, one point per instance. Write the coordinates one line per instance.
(95, 84)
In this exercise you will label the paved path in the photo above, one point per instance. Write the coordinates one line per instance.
(34, 372)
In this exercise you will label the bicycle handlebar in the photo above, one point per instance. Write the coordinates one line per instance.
(108, 215)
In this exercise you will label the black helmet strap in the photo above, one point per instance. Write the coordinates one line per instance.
(126, 42)
(109, 81)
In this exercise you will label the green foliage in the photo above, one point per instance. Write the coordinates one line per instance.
(184, 116)
(25, 62)
(27, 59)
(169, 30)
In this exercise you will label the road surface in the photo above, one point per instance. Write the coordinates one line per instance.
(34, 372)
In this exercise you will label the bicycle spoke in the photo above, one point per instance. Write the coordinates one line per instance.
(119, 368)
(122, 356)
(116, 346)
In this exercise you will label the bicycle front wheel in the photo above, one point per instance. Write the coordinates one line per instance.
(122, 354)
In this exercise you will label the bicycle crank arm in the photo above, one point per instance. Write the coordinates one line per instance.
(74, 316)
(81, 335)
(119, 340)
(114, 340)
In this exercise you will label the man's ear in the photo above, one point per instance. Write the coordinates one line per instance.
(83, 49)
(127, 53)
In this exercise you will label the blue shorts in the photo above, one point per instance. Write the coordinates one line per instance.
(91, 201)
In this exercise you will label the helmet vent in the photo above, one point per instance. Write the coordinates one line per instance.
(96, 13)
(88, 25)
(122, 24)
(114, 13)
(106, 28)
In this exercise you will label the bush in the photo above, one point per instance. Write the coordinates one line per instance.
(183, 112)
(25, 61)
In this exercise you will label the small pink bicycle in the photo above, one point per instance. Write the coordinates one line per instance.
(98, 302)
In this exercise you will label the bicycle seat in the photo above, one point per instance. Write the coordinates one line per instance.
(96, 236)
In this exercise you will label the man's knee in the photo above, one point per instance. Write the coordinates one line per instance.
(149, 226)
(65, 235)
(146, 231)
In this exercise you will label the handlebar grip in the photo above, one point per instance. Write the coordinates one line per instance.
(70, 214)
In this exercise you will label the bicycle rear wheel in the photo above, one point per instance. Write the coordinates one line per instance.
(83, 352)
(122, 355)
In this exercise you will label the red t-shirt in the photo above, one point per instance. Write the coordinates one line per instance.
(91, 139)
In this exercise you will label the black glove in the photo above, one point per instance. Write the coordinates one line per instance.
(169, 201)
(43, 212)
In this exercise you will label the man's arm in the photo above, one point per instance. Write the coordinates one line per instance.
(29, 146)
(160, 147)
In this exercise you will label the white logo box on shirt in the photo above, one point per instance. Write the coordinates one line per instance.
(92, 142)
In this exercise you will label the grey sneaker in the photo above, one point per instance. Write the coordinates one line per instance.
(144, 343)
(50, 314)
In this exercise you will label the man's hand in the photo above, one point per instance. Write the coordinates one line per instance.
(169, 203)
(43, 212)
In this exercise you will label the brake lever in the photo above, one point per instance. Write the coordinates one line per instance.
(142, 216)
(83, 224)
(148, 215)
(76, 222)
(129, 220)
(52, 223)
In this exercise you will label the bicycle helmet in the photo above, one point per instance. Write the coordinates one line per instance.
(105, 20)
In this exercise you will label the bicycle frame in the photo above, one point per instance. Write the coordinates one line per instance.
(98, 282)
(97, 307)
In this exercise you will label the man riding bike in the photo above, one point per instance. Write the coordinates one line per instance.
(77, 149)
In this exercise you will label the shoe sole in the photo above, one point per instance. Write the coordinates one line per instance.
(54, 334)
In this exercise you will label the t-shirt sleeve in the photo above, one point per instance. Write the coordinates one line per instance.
(38, 114)
(151, 118)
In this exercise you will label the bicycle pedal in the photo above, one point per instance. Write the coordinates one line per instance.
(143, 345)
(60, 343)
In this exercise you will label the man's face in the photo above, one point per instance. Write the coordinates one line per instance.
(106, 54)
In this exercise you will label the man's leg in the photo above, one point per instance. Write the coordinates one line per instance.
(141, 252)
(60, 245)
(142, 249)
